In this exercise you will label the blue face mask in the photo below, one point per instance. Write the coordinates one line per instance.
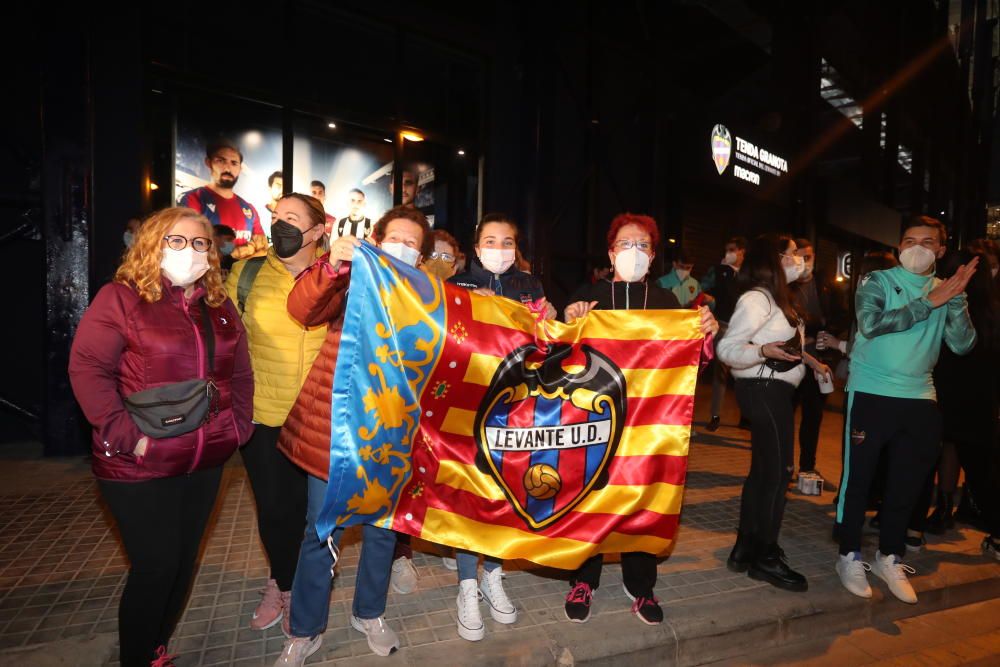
(227, 248)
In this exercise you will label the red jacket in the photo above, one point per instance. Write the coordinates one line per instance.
(124, 345)
(319, 297)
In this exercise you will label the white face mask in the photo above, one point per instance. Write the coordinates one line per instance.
(402, 252)
(793, 272)
(729, 259)
(183, 267)
(807, 270)
(682, 274)
(631, 265)
(917, 259)
(496, 260)
(993, 271)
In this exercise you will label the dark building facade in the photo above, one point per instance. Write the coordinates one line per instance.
(842, 119)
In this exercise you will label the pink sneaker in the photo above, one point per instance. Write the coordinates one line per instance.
(271, 607)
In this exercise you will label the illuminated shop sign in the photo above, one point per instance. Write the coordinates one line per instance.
(844, 266)
(753, 160)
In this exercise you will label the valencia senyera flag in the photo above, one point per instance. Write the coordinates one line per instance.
(466, 421)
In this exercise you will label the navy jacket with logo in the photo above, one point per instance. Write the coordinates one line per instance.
(512, 283)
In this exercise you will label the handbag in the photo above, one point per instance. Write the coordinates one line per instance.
(792, 346)
(180, 407)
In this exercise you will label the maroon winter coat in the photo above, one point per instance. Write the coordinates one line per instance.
(125, 345)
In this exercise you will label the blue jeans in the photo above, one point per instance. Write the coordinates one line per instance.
(312, 585)
(467, 562)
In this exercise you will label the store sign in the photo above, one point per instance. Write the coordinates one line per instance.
(754, 160)
(844, 262)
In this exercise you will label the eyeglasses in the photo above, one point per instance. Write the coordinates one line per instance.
(178, 242)
(446, 256)
(626, 244)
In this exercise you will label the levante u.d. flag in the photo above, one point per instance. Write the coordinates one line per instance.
(465, 421)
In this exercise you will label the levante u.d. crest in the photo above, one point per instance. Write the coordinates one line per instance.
(546, 435)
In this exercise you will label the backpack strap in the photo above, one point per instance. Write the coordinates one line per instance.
(249, 274)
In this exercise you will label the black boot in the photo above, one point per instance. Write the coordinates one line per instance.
(942, 519)
(770, 566)
(742, 553)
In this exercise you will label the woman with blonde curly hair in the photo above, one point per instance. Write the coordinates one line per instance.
(165, 320)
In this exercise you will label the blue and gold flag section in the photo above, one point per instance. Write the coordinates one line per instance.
(462, 420)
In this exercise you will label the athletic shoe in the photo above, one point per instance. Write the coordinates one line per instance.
(893, 572)
(470, 620)
(382, 640)
(404, 576)
(646, 607)
(501, 608)
(713, 424)
(915, 543)
(163, 659)
(991, 547)
(449, 563)
(852, 571)
(578, 603)
(297, 649)
(271, 608)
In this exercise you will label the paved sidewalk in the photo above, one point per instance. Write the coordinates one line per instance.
(61, 572)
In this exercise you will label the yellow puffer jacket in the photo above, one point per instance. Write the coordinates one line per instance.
(281, 350)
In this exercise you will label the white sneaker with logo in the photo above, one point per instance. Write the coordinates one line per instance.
(501, 608)
(853, 574)
(892, 571)
(404, 576)
(297, 649)
(470, 620)
(382, 639)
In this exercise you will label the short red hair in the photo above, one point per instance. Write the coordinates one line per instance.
(647, 223)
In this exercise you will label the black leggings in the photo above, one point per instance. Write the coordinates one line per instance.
(279, 489)
(813, 402)
(161, 522)
(769, 406)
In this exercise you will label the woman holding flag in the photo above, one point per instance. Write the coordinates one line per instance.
(319, 297)
(632, 243)
(494, 272)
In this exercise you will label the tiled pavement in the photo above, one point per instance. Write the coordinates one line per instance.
(62, 570)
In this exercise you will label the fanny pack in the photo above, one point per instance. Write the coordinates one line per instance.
(792, 346)
(180, 407)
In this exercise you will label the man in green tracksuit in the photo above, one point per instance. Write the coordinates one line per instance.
(904, 313)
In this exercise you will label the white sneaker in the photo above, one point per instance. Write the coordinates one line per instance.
(449, 563)
(382, 639)
(404, 576)
(890, 570)
(852, 571)
(470, 621)
(501, 608)
(297, 649)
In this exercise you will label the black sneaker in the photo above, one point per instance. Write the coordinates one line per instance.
(646, 607)
(713, 424)
(577, 605)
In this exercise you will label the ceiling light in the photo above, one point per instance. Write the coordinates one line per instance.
(332, 126)
(461, 152)
(410, 135)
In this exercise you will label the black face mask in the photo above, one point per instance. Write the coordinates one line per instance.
(287, 238)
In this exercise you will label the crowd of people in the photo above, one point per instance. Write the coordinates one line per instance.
(255, 351)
